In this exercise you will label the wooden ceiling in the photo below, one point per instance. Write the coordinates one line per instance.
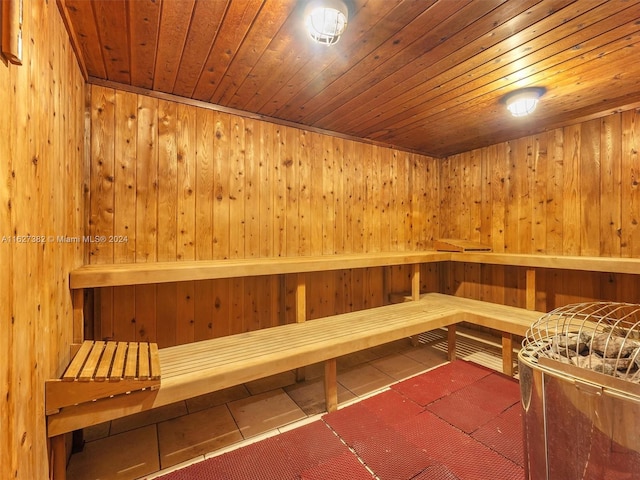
(424, 75)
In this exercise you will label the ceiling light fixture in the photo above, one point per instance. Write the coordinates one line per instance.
(523, 102)
(326, 20)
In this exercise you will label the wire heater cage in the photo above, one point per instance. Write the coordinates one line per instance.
(599, 336)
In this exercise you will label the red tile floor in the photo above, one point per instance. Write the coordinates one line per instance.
(458, 421)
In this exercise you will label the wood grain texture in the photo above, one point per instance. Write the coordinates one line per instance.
(41, 195)
(232, 187)
(570, 191)
(146, 196)
(194, 184)
(143, 21)
(103, 176)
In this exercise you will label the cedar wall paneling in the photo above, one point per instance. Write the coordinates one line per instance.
(569, 191)
(41, 177)
(176, 182)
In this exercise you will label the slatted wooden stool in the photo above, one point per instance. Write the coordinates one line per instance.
(104, 369)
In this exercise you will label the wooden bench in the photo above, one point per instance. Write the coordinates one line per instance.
(197, 368)
(193, 369)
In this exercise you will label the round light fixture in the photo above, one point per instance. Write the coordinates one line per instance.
(326, 20)
(523, 102)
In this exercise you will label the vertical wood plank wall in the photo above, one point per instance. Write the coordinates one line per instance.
(173, 182)
(569, 191)
(41, 199)
(182, 182)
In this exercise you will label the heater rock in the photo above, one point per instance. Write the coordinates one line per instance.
(635, 357)
(603, 365)
(558, 357)
(578, 342)
(611, 346)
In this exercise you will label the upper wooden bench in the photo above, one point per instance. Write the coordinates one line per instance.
(110, 275)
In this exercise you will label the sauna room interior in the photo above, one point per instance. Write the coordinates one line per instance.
(181, 177)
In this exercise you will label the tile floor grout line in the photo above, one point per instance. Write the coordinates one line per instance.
(351, 449)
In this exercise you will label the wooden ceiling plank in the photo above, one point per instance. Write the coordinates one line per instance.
(259, 86)
(84, 25)
(111, 16)
(579, 92)
(506, 71)
(584, 87)
(556, 76)
(447, 146)
(144, 24)
(554, 52)
(324, 65)
(445, 37)
(450, 66)
(175, 19)
(278, 58)
(442, 21)
(266, 31)
(73, 38)
(611, 106)
(238, 19)
(207, 19)
(435, 68)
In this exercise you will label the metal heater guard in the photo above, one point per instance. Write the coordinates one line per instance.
(578, 424)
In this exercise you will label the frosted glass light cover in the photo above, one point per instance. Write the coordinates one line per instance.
(522, 104)
(326, 23)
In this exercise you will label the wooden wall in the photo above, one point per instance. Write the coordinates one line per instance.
(569, 191)
(173, 182)
(182, 182)
(41, 177)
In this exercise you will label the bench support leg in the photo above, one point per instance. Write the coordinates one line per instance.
(78, 315)
(301, 314)
(59, 454)
(331, 385)
(415, 295)
(451, 342)
(507, 353)
(531, 289)
(415, 282)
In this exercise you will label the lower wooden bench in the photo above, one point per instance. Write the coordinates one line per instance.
(193, 369)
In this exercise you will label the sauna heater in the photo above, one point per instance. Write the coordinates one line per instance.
(580, 383)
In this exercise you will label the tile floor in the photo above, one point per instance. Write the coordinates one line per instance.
(157, 441)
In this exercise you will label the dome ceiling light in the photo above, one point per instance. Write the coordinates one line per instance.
(524, 101)
(326, 20)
